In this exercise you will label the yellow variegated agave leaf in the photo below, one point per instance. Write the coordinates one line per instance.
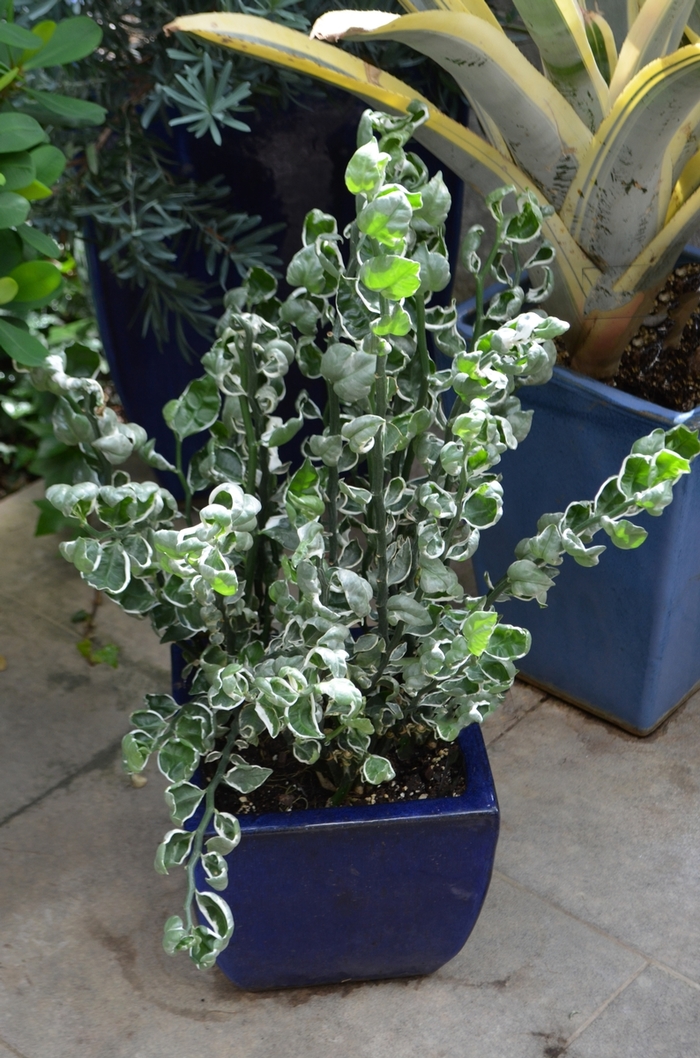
(608, 134)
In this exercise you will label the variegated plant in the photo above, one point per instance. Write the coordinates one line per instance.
(607, 133)
(322, 605)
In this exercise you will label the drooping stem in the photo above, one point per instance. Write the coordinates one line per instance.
(502, 584)
(196, 850)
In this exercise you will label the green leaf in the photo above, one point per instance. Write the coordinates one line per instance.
(113, 572)
(357, 591)
(360, 432)
(14, 209)
(72, 39)
(173, 850)
(19, 132)
(227, 834)
(301, 719)
(365, 170)
(35, 191)
(528, 581)
(434, 269)
(345, 698)
(134, 754)
(508, 642)
(18, 170)
(387, 218)
(174, 933)
(377, 769)
(435, 205)
(438, 579)
(411, 613)
(177, 760)
(218, 914)
(280, 435)
(396, 322)
(215, 870)
(684, 441)
(392, 276)
(483, 508)
(49, 163)
(317, 223)
(22, 346)
(182, 800)
(306, 271)
(245, 777)
(8, 290)
(624, 534)
(225, 582)
(477, 630)
(16, 37)
(36, 280)
(38, 240)
(196, 410)
(350, 371)
(67, 110)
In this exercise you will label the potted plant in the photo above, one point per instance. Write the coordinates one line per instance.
(600, 136)
(330, 652)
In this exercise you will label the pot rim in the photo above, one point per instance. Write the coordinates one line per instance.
(479, 798)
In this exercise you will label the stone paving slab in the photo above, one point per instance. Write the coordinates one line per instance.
(658, 1016)
(607, 825)
(84, 975)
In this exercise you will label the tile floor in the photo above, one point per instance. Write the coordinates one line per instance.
(588, 945)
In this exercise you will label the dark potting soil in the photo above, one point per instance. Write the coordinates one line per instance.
(662, 362)
(435, 770)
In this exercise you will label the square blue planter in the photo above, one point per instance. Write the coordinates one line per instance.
(349, 894)
(621, 639)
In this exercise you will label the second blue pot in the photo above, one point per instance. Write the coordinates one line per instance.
(621, 639)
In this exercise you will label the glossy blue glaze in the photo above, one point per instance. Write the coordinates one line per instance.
(621, 639)
(346, 894)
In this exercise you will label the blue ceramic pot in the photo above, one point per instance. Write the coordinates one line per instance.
(621, 639)
(352, 894)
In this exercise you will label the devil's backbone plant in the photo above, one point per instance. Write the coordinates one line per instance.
(322, 605)
(607, 133)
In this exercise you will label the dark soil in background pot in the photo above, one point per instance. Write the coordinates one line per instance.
(662, 362)
(436, 769)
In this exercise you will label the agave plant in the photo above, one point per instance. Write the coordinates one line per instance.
(607, 133)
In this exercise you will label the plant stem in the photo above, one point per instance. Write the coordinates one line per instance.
(425, 365)
(376, 475)
(196, 850)
(479, 279)
(183, 479)
(333, 478)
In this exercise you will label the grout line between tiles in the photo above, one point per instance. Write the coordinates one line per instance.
(603, 1006)
(649, 960)
(100, 759)
(516, 720)
(11, 1049)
